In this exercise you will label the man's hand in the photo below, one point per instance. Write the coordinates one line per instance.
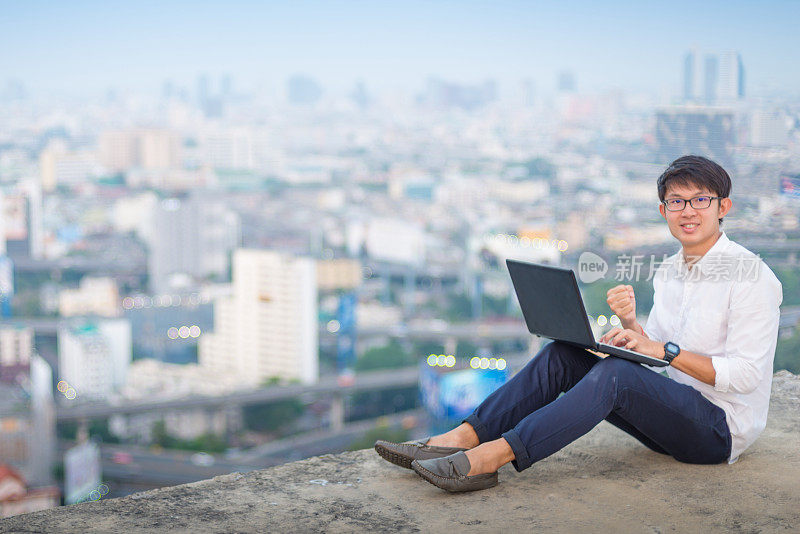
(622, 302)
(627, 338)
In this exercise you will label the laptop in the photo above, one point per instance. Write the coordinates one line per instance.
(553, 308)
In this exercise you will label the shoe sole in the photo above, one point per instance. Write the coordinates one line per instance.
(427, 476)
(393, 457)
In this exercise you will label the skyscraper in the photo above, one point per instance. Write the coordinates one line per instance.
(268, 326)
(706, 131)
(689, 78)
(722, 77)
(711, 79)
(303, 90)
(731, 77)
(566, 82)
(193, 240)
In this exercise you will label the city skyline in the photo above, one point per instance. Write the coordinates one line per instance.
(89, 47)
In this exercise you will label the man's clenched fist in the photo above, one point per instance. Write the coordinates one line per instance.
(622, 302)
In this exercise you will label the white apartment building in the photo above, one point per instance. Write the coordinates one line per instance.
(60, 166)
(16, 345)
(268, 326)
(93, 357)
(94, 296)
(120, 150)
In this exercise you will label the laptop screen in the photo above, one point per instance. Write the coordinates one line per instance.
(551, 302)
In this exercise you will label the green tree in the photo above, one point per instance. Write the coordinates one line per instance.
(424, 348)
(98, 428)
(495, 307)
(459, 307)
(67, 430)
(392, 356)
(787, 353)
(466, 350)
(368, 404)
(367, 441)
(205, 443)
(274, 416)
(790, 280)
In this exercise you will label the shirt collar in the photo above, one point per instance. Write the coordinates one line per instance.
(715, 250)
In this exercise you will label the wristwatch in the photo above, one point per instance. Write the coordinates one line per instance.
(671, 351)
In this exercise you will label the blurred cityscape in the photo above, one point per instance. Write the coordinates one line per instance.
(211, 280)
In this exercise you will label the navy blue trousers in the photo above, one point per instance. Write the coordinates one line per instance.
(666, 416)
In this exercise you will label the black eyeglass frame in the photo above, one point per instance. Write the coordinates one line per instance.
(690, 202)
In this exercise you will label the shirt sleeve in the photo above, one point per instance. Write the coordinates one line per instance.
(752, 334)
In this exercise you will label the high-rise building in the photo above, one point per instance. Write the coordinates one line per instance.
(731, 77)
(566, 82)
(94, 296)
(193, 239)
(722, 77)
(27, 424)
(711, 78)
(16, 350)
(152, 149)
(267, 327)
(21, 221)
(768, 127)
(441, 93)
(698, 130)
(93, 356)
(230, 148)
(226, 86)
(203, 90)
(303, 90)
(60, 166)
(528, 92)
(690, 76)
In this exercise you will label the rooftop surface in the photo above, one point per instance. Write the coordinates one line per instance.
(605, 481)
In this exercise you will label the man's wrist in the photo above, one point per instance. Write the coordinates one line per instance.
(671, 351)
(632, 325)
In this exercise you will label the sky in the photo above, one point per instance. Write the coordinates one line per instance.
(83, 46)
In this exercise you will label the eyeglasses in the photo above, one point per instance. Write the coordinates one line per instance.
(679, 204)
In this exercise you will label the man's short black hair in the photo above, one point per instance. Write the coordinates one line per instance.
(698, 171)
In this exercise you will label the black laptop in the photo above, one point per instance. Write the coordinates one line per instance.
(553, 308)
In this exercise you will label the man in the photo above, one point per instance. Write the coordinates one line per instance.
(714, 319)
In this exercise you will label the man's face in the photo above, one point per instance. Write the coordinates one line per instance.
(696, 229)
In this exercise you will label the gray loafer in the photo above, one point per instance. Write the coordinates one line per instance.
(403, 454)
(450, 473)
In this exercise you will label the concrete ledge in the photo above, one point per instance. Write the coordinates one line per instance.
(606, 481)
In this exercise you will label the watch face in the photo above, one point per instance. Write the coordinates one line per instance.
(671, 348)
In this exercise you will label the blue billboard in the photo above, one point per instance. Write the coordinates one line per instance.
(453, 395)
(346, 338)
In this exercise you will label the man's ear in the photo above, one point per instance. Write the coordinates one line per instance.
(725, 205)
(662, 211)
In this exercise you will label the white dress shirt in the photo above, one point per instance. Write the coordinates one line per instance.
(726, 306)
